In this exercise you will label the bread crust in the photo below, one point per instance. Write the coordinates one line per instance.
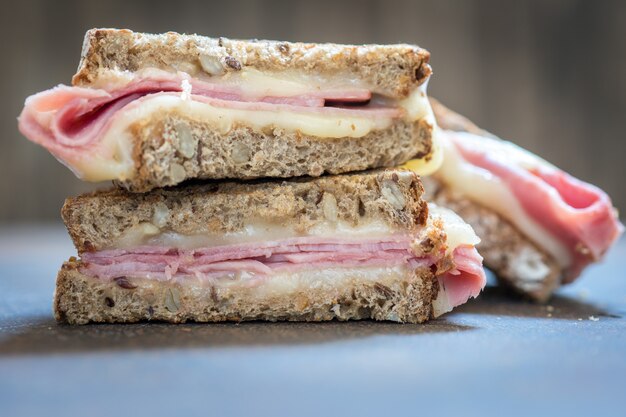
(392, 196)
(80, 299)
(170, 148)
(391, 70)
(518, 262)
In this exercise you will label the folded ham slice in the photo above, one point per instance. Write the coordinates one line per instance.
(573, 220)
(467, 279)
(252, 263)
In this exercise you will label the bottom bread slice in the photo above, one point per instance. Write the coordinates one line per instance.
(399, 293)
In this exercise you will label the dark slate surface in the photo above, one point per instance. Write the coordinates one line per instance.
(495, 356)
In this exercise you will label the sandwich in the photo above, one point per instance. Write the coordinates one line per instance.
(149, 111)
(203, 138)
(352, 246)
(539, 226)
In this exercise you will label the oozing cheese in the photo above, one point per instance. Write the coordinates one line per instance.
(458, 233)
(431, 163)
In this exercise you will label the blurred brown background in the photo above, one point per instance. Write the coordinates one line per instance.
(549, 74)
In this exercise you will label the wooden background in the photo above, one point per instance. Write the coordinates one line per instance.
(549, 74)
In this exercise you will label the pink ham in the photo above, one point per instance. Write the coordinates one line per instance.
(300, 250)
(252, 249)
(467, 279)
(261, 260)
(70, 121)
(576, 213)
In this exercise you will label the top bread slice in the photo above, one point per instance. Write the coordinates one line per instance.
(518, 262)
(96, 220)
(391, 70)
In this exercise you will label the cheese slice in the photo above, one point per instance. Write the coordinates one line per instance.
(148, 234)
(458, 233)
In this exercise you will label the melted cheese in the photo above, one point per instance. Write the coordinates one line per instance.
(431, 163)
(328, 281)
(458, 233)
(148, 234)
(252, 82)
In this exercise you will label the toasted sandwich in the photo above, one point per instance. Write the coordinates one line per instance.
(352, 246)
(539, 226)
(150, 111)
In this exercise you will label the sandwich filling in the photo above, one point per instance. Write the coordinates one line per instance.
(252, 263)
(89, 129)
(572, 220)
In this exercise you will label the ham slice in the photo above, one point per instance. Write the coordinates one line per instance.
(578, 215)
(259, 261)
(70, 121)
(467, 279)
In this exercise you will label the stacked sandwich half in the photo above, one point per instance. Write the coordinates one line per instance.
(253, 180)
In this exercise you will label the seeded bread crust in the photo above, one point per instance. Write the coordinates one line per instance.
(518, 262)
(392, 70)
(170, 148)
(80, 299)
(95, 220)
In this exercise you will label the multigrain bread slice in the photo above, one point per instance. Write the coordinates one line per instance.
(172, 148)
(401, 296)
(115, 222)
(94, 221)
(391, 70)
(517, 261)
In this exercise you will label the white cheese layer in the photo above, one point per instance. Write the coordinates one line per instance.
(252, 82)
(458, 232)
(431, 163)
(148, 234)
(331, 280)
